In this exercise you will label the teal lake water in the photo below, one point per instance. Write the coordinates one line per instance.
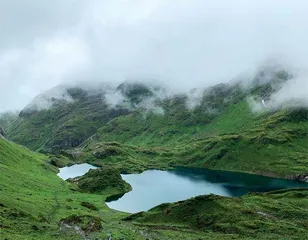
(74, 170)
(154, 187)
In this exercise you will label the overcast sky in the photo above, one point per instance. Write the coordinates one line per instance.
(183, 43)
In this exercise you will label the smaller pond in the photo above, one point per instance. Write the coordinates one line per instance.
(154, 187)
(74, 170)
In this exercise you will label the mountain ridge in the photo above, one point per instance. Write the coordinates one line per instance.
(221, 128)
(224, 127)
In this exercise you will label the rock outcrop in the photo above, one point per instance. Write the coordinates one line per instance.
(103, 180)
(302, 177)
(2, 134)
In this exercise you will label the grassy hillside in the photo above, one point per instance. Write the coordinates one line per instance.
(65, 125)
(275, 215)
(7, 119)
(266, 143)
(223, 108)
(274, 145)
(177, 122)
(136, 113)
(102, 180)
(221, 131)
(36, 204)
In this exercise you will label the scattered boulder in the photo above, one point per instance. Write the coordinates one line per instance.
(89, 206)
(73, 154)
(59, 162)
(2, 226)
(105, 150)
(302, 177)
(82, 225)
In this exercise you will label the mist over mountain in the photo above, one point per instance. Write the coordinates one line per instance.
(272, 87)
(185, 45)
(159, 101)
(66, 116)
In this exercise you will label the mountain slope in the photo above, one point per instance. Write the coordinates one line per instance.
(227, 126)
(274, 215)
(35, 203)
(64, 125)
(223, 108)
(272, 145)
(134, 113)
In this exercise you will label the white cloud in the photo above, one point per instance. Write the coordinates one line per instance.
(46, 99)
(114, 98)
(182, 43)
(292, 94)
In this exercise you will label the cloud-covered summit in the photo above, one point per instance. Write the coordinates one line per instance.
(185, 44)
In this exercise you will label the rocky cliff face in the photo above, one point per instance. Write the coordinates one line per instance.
(1, 133)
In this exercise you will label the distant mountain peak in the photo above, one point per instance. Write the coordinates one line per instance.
(46, 100)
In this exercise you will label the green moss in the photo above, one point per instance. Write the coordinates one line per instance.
(103, 180)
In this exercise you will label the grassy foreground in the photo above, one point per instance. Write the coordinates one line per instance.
(275, 215)
(36, 204)
(33, 200)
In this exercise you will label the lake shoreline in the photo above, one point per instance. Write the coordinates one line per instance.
(188, 180)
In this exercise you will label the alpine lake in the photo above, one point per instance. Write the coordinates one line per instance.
(153, 187)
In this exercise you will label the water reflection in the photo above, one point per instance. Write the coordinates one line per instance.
(154, 187)
(74, 170)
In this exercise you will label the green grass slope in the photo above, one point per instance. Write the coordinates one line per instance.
(267, 143)
(37, 204)
(222, 108)
(7, 119)
(102, 180)
(143, 117)
(221, 132)
(177, 122)
(63, 126)
(273, 145)
(275, 215)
